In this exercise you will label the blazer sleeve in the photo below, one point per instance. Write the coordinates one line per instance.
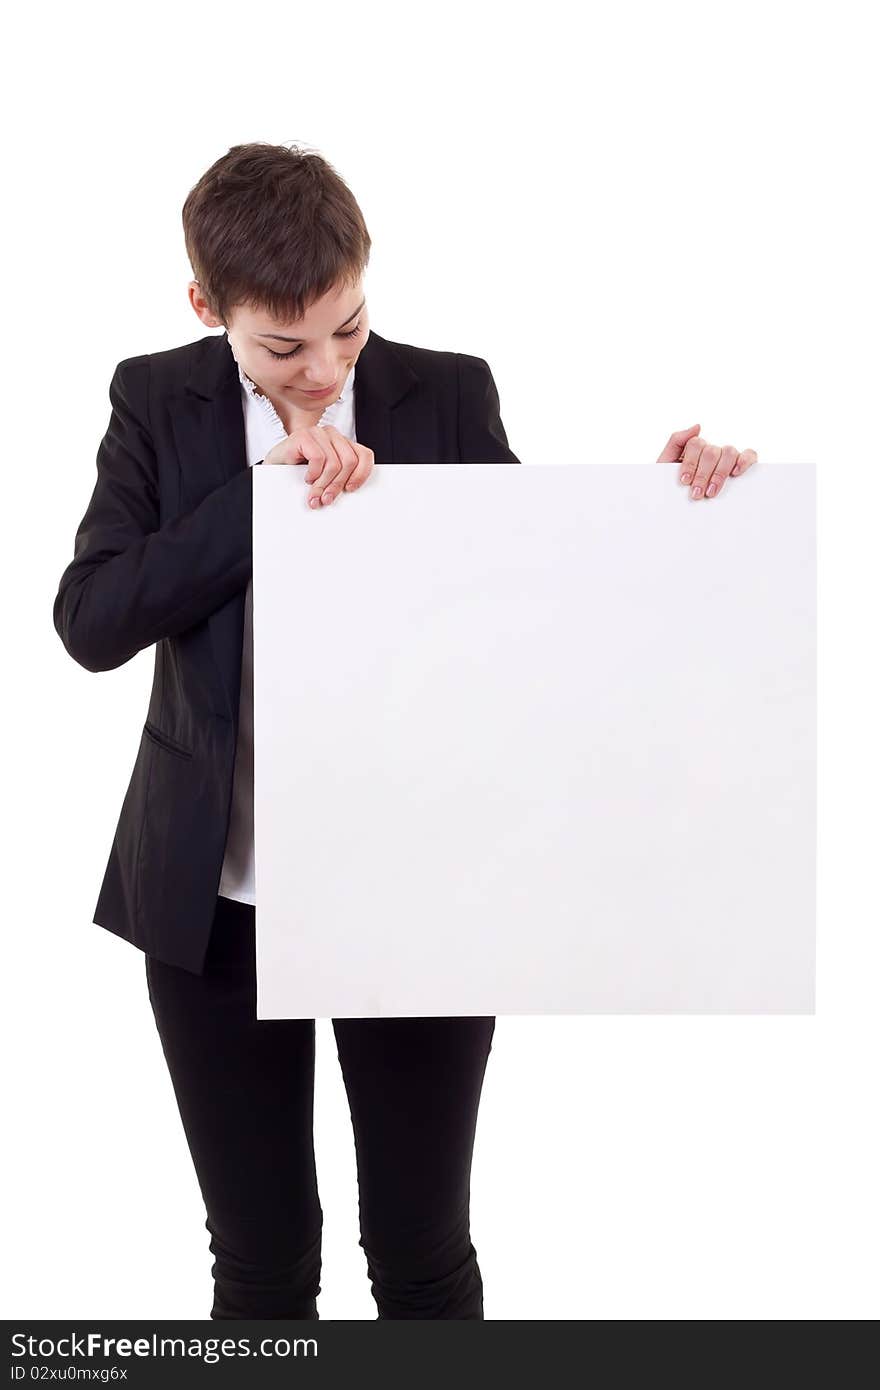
(132, 581)
(481, 435)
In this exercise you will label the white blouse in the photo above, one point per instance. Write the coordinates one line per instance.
(263, 428)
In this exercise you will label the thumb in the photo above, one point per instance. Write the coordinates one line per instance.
(673, 449)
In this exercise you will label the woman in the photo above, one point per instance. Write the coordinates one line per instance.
(163, 555)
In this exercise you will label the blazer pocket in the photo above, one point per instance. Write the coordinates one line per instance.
(165, 741)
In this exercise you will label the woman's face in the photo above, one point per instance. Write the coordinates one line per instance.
(288, 360)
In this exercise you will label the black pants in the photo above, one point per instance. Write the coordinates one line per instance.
(245, 1089)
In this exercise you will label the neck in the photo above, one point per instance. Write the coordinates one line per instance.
(294, 418)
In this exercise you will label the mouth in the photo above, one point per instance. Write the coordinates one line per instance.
(323, 391)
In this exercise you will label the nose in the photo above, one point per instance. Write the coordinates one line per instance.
(321, 374)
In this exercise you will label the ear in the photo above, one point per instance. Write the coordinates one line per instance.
(200, 306)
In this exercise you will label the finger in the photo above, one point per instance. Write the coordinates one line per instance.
(329, 440)
(744, 461)
(721, 471)
(676, 442)
(363, 470)
(690, 458)
(318, 453)
(311, 448)
(710, 455)
(341, 460)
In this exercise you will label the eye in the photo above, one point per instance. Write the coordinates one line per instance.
(352, 332)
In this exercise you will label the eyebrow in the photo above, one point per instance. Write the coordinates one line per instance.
(280, 336)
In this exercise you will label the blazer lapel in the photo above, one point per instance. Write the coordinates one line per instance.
(381, 380)
(208, 423)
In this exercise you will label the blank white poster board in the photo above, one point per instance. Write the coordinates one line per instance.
(534, 740)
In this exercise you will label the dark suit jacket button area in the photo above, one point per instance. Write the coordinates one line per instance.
(163, 557)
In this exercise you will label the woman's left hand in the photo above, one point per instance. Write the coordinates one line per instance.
(705, 466)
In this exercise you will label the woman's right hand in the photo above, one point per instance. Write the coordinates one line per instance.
(335, 463)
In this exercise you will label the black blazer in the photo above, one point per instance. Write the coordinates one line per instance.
(163, 555)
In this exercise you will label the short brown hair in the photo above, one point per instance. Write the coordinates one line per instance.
(273, 227)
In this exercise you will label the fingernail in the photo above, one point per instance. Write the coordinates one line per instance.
(696, 490)
(710, 490)
(314, 502)
(686, 477)
(734, 472)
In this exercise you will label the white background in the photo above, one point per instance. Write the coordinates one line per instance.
(667, 211)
